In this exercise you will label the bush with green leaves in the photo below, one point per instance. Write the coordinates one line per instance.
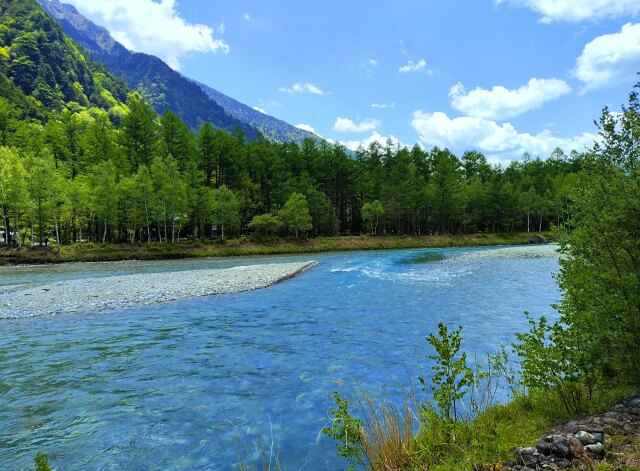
(595, 342)
(265, 224)
(453, 377)
(552, 361)
(346, 431)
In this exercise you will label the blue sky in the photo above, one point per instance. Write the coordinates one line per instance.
(500, 76)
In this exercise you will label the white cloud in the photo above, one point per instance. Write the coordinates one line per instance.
(261, 110)
(375, 137)
(578, 10)
(346, 125)
(152, 27)
(383, 106)
(500, 102)
(419, 66)
(307, 127)
(369, 67)
(402, 48)
(247, 17)
(610, 59)
(500, 140)
(302, 87)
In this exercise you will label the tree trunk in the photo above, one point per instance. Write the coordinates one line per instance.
(40, 220)
(17, 235)
(55, 220)
(146, 214)
(164, 213)
(5, 218)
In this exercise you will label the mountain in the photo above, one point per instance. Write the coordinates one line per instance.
(270, 127)
(162, 87)
(165, 88)
(42, 69)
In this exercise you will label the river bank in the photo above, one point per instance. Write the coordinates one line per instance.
(144, 289)
(89, 252)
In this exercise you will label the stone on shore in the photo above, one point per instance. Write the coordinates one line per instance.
(131, 291)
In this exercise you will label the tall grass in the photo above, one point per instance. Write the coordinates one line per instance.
(268, 456)
(386, 434)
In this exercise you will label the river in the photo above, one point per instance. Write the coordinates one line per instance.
(195, 384)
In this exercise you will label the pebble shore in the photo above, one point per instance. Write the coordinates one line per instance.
(132, 291)
(506, 253)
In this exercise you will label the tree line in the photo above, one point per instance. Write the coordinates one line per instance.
(91, 175)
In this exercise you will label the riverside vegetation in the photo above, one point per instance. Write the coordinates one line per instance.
(581, 363)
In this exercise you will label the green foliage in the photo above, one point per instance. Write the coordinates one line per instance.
(42, 462)
(265, 224)
(224, 209)
(372, 212)
(551, 361)
(596, 340)
(346, 431)
(295, 214)
(44, 70)
(14, 199)
(453, 377)
(139, 136)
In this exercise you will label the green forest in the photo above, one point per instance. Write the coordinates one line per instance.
(82, 177)
(85, 159)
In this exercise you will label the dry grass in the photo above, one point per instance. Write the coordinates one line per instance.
(387, 430)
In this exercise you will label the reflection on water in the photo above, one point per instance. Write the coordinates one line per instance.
(174, 386)
(423, 257)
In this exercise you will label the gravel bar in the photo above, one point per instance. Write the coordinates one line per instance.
(131, 291)
(519, 252)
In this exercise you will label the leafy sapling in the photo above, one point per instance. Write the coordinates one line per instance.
(453, 377)
(346, 431)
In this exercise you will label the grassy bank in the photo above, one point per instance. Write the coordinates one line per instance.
(89, 252)
(387, 439)
(487, 441)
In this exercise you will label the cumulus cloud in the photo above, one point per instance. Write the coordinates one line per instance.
(578, 10)
(302, 87)
(153, 27)
(375, 137)
(307, 127)
(261, 110)
(459, 134)
(346, 125)
(383, 106)
(610, 59)
(420, 66)
(501, 103)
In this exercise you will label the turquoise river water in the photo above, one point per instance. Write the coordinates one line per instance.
(196, 384)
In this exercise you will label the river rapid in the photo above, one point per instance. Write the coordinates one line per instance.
(196, 383)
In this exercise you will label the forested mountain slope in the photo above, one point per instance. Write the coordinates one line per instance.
(271, 128)
(162, 87)
(41, 69)
(165, 88)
